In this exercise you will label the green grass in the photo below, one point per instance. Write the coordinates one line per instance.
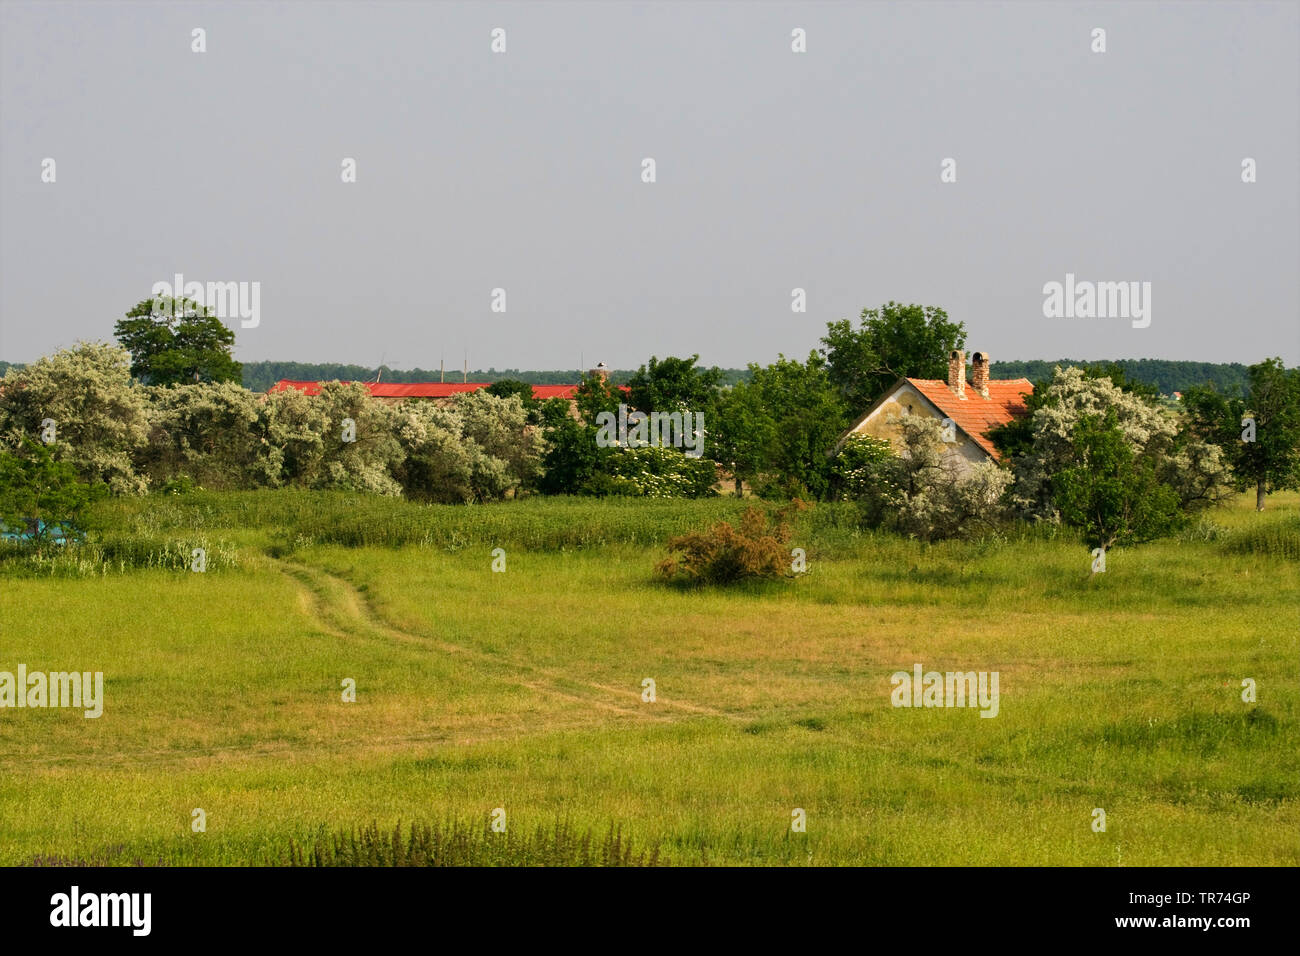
(522, 690)
(464, 844)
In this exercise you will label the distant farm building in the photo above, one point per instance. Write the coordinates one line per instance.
(441, 392)
(394, 392)
(974, 408)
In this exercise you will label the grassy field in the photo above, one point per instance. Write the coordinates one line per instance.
(523, 689)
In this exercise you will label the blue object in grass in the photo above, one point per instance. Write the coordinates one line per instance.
(57, 532)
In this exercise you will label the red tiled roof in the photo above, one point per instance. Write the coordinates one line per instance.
(975, 414)
(427, 389)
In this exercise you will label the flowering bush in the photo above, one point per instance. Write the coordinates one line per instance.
(924, 491)
(214, 434)
(99, 416)
(478, 449)
(938, 494)
(1193, 469)
(654, 472)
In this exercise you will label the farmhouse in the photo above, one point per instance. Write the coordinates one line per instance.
(974, 408)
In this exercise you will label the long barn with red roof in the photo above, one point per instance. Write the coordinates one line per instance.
(398, 391)
(393, 392)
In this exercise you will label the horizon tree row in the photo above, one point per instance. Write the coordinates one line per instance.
(1095, 450)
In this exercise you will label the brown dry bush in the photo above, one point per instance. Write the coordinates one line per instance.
(756, 548)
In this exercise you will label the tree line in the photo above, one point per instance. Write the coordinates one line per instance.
(259, 376)
(1165, 375)
(1098, 450)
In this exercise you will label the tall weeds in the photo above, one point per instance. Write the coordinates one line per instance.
(463, 844)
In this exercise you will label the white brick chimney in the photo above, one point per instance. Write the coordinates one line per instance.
(957, 372)
(979, 373)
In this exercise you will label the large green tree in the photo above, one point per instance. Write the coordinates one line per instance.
(892, 342)
(807, 418)
(595, 395)
(177, 342)
(1260, 435)
(505, 387)
(665, 385)
(740, 430)
(573, 459)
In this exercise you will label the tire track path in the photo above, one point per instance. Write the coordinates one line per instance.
(345, 612)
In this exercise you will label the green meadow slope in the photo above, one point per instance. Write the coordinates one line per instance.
(523, 690)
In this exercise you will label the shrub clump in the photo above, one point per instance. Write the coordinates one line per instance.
(923, 491)
(758, 547)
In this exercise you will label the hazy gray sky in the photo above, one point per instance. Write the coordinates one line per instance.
(775, 170)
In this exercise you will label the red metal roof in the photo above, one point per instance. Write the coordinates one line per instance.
(427, 389)
(975, 414)
(543, 392)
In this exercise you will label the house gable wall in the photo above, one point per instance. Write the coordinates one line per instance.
(906, 400)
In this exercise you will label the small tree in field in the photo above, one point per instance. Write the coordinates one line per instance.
(38, 491)
(1261, 435)
(807, 417)
(1043, 445)
(1111, 494)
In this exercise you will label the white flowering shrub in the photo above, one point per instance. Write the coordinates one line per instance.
(655, 472)
(368, 461)
(99, 416)
(936, 493)
(295, 433)
(501, 429)
(436, 465)
(478, 449)
(214, 434)
(925, 490)
(220, 436)
(1195, 470)
(1199, 473)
